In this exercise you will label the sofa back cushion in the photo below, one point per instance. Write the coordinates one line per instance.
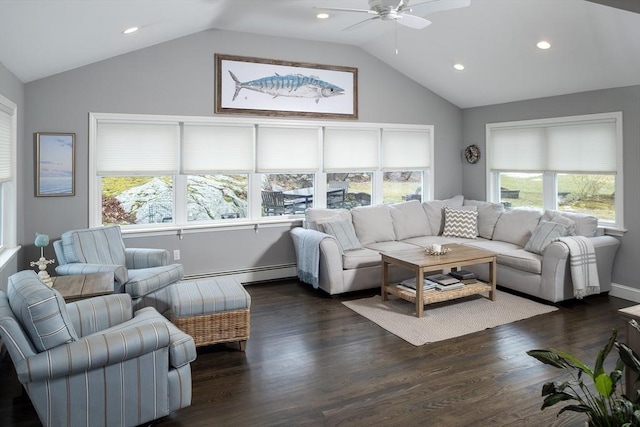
(488, 214)
(314, 217)
(434, 210)
(373, 224)
(409, 220)
(583, 224)
(516, 225)
(41, 311)
(100, 245)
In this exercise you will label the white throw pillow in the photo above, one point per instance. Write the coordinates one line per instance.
(373, 224)
(409, 220)
(585, 225)
(460, 222)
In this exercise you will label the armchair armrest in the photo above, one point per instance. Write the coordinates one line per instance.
(94, 351)
(136, 258)
(92, 315)
(119, 272)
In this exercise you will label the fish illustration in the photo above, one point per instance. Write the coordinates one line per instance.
(294, 85)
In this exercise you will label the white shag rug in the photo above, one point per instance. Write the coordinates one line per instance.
(446, 320)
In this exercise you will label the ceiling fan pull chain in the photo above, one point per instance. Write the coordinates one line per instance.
(396, 37)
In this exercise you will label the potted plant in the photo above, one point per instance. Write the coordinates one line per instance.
(600, 400)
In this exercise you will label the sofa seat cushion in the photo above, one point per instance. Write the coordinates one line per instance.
(373, 224)
(426, 241)
(511, 255)
(146, 280)
(516, 225)
(360, 258)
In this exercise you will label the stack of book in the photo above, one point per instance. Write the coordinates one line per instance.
(465, 276)
(445, 282)
(410, 285)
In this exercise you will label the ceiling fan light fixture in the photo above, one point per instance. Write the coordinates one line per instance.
(458, 67)
(322, 15)
(130, 30)
(543, 44)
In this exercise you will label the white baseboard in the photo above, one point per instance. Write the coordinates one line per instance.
(248, 275)
(625, 292)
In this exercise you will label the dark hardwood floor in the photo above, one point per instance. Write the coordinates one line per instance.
(311, 361)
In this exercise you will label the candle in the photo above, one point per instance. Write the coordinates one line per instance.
(436, 247)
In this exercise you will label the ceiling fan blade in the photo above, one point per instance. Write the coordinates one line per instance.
(340, 9)
(360, 24)
(432, 6)
(413, 21)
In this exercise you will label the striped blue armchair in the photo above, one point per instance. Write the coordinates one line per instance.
(143, 273)
(93, 362)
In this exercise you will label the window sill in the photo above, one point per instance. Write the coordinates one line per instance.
(6, 256)
(209, 227)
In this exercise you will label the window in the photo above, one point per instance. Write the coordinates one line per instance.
(158, 171)
(8, 196)
(570, 163)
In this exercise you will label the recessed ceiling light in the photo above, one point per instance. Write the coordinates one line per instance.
(458, 67)
(543, 45)
(322, 15)
(130, 30)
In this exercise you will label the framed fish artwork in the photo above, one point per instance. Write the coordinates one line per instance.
(257, 86)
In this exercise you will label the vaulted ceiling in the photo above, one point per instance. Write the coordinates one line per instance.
(594, 45)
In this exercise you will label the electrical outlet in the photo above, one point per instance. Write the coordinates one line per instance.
(176, 254)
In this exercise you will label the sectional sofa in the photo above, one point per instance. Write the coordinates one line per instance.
(346, 245)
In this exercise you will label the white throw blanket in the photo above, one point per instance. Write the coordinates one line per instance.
(582, 262)
(309, 257)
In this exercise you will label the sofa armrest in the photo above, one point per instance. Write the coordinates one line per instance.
(120, 273)
(92, 315)
(331, 266)
(94, 351)
(136, 258)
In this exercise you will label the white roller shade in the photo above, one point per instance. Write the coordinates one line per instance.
(127, 148)
(6, 149)
(517, 149)
(582, 147)
(351, 149)
(405, 149)
(217, 148)
(283, 149)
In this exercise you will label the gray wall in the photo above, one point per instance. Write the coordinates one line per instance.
(11, 87)
(177, 77)
(627, 100)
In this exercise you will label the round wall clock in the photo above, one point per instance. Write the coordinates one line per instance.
(472, 154)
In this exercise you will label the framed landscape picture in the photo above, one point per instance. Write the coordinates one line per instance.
(55, 161)
(245, 85)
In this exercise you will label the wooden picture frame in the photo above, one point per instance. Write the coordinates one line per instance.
(257, 86)
(55, 164)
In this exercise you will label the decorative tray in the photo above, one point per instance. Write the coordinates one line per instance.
(442, 251)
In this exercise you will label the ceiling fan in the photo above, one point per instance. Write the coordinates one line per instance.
(400, 12)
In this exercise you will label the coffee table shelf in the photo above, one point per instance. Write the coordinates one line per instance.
(434, 295)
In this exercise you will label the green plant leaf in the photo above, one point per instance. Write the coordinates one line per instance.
(629, 357)
(549, 357)
(574, 361)
(554, 398)
(576, 408)
(602, 354)
(604, 385)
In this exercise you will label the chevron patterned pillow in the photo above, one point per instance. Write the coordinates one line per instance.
(460, 223)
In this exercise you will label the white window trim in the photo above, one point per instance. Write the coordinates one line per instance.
(254, 209)
(9, 189)
(493, 190)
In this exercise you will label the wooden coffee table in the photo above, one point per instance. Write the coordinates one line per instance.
(80, 286)
(420, 262)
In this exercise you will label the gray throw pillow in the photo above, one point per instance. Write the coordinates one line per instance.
(344, 233)
(545, 233)
(461, 222)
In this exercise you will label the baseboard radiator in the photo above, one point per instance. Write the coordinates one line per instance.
(252, 275)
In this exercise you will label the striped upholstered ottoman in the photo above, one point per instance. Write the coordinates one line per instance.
(212, 311)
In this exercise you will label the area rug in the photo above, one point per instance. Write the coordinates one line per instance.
(446, 320)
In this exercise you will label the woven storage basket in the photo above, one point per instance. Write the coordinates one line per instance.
(224, 326)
